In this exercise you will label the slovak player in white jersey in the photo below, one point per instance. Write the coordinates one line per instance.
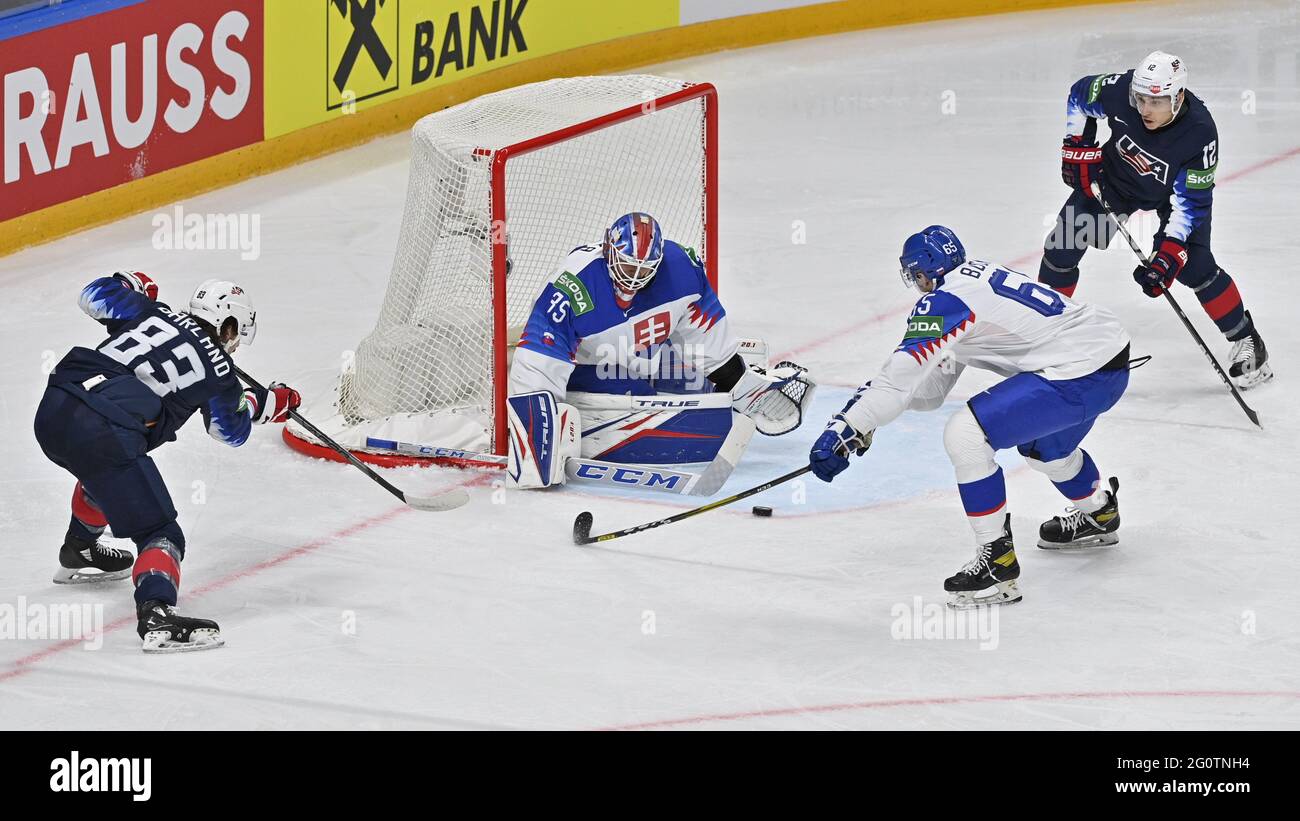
(1066, 363)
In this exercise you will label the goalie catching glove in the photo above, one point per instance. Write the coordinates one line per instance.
(830, 453)
(774, 399)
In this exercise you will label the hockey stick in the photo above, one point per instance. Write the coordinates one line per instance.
(593, 471)
(582, 524)
(453, 456)
(1236, 394)
(448, 500)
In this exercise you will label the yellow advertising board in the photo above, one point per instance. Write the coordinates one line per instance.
(332, 58)
(392, 61)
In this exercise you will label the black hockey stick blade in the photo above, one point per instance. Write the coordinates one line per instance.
(582, 525)
(1218, 369)
(582, 529)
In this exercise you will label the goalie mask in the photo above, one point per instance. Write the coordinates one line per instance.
(634, 247)
(216, 301)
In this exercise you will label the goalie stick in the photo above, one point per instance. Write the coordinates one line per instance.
(582, 524)
(448, 500)
(594, 471)
(1236, 394)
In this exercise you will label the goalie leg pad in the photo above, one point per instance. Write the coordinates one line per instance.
(645, 433)
(661, 429)
(543, 434)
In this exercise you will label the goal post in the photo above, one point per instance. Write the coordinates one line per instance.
(501, 188)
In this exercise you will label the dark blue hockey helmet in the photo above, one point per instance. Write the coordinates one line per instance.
(933, 251)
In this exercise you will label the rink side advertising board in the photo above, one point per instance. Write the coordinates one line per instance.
(333, 59)
(113, 107)
(133, 90)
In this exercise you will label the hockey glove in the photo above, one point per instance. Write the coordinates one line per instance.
(1080, 164)
(138, 282)
(830, 453)
(774, 399)
(1158, 274)
(272, 404)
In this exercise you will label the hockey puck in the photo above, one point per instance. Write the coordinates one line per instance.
(759, 510)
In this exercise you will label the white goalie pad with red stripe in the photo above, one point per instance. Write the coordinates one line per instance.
(665, 431)
(543, 435)
(660, 429)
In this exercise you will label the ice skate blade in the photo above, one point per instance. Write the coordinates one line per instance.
(1003, 593)
(160, 641)
(88, 575)
(1102, 540)
(1254, 379)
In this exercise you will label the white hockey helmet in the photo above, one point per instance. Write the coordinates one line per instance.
(217, 300)
(1158, 75)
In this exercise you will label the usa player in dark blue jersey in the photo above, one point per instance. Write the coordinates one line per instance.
(1162, 155)
(106, 408)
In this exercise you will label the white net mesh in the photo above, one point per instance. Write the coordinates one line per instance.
(426, 373)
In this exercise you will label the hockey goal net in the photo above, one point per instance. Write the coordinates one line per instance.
(501, 188)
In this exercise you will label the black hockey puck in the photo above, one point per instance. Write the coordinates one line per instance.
(759, 510)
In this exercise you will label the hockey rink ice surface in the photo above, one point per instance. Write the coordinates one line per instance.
(342, 609)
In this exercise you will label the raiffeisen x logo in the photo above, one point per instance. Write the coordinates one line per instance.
(364, 36)
(354, 27)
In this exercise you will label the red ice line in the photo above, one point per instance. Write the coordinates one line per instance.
(1018, 261)
(25, 664)
(949, 700)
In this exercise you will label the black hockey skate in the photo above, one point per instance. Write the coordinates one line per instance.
(166, 631)
(1076, 529)
(86, 561)
(993, 568)
(1250, 360)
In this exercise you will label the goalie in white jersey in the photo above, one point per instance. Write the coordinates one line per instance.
(627, 362)
(1066, 364)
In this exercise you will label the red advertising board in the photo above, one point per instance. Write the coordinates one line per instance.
(124, 94)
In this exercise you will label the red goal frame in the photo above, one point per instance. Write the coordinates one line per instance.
(709, 210)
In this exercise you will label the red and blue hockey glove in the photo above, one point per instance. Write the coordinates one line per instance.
(138, 282)
(273, 404)
(1158, 274)
(1080, 164)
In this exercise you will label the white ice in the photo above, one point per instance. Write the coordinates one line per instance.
(343, 609)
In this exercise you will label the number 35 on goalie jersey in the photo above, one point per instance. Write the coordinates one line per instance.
(579, 338)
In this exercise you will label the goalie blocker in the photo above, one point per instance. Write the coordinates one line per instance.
(648, 440)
